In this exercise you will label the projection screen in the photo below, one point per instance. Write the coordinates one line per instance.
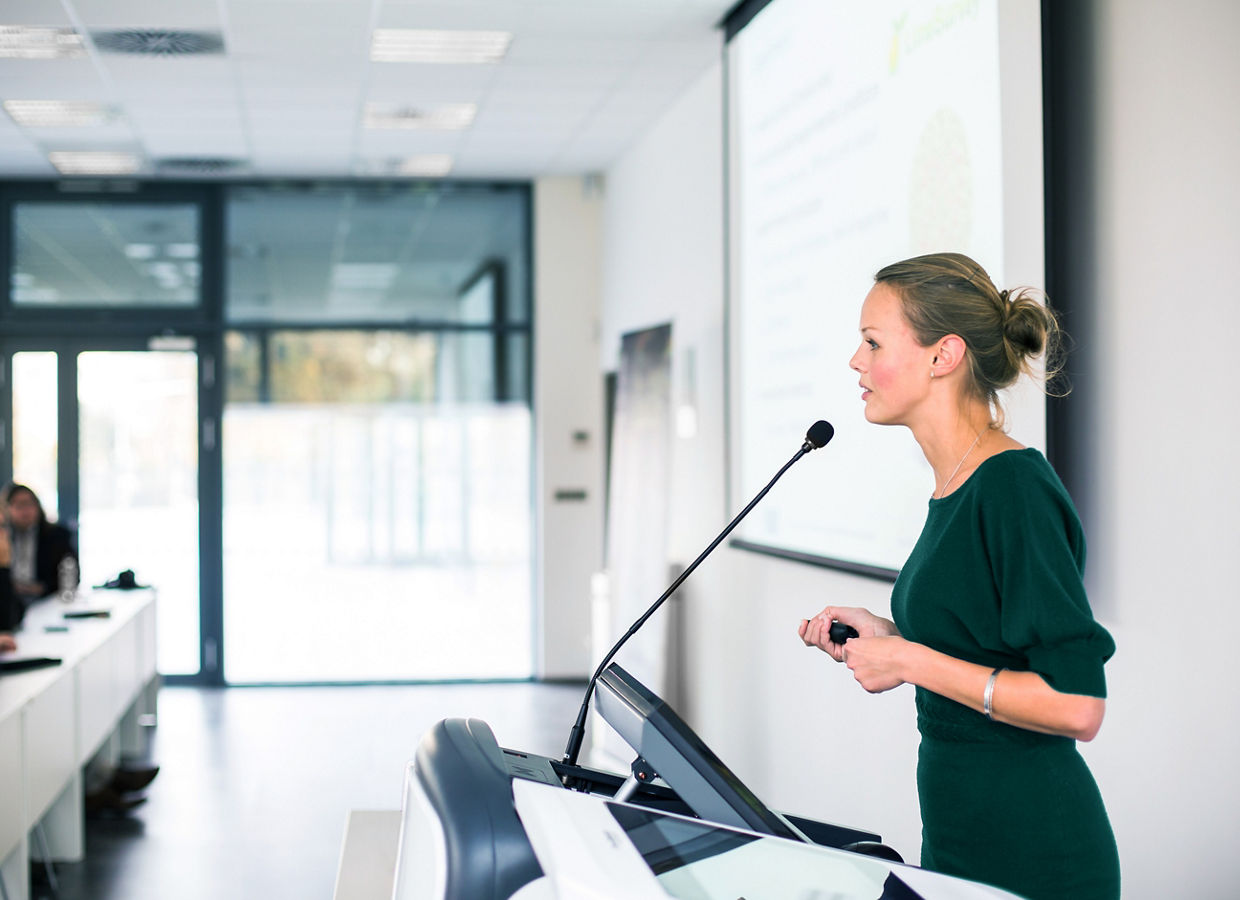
(860, 134)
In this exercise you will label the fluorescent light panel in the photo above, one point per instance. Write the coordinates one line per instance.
(431, 165)
(445, 117)
(59, 113)
(429, 46)
(93, 162)
(34, 42)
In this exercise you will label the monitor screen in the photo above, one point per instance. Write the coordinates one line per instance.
(695, 860)
(658, 735)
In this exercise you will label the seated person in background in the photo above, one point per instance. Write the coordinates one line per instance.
(12, 607)
(38, 545)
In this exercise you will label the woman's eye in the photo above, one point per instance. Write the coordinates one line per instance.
(873, 345)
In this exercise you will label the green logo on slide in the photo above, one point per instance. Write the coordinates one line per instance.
(941, 19)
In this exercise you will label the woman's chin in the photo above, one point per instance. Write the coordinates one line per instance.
(876, 417)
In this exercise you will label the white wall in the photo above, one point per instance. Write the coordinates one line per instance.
(567, 401)
(1168, 527)
(785, 718)
(1162, 468)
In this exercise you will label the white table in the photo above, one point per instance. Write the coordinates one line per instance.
(53, 720)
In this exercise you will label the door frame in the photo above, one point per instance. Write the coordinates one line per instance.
(210, 403)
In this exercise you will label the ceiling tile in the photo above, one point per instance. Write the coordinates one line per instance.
(34, 12)
(50, 79)
(116, 14)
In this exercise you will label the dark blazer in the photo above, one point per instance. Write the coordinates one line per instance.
(55, 543)
(11, 607)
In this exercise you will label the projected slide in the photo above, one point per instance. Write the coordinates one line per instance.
(860, 133)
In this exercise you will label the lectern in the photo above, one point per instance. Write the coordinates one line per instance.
(462, 839)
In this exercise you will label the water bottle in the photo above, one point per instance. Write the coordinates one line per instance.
(67, 579)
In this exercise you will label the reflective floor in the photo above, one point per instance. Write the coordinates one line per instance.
(255, 783)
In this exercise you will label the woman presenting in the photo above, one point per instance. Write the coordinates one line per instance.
(991, 622)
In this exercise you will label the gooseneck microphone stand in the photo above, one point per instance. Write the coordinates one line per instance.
(817, 436)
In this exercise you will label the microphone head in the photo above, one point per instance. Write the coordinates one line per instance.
(819, 433)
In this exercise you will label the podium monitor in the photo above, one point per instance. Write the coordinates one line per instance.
(659, 736)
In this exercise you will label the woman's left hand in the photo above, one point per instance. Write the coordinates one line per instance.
(7, 643)
(877, 662)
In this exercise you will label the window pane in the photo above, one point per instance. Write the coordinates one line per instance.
(244, 366)
(139, 493)
(35, 426)
(387, 366)
(105, 254)
(351, 367)
(377, 524)
(381, 253)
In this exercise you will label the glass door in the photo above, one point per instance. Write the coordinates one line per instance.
(138, 485)
(108, 438)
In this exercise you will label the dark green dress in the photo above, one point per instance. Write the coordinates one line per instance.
(995, 579)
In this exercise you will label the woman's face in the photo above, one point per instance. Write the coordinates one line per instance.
(23, 512)
(894, 368)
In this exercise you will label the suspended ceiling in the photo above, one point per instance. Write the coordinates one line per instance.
(284, 89)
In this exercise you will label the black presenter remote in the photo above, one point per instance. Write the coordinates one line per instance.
(841, 632)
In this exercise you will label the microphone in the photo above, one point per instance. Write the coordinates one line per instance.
(817, 436)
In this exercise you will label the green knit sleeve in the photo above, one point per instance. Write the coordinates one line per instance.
(1037, 551)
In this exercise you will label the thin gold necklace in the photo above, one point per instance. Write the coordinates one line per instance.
(943, 490)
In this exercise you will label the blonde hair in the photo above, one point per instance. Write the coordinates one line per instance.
(1004, 332)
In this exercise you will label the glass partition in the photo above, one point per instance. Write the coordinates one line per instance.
(439, 253)
(372, 529)
(105, 254)
(377, 434)
(369, 415)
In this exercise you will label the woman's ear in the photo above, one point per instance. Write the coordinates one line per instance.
(949, 354)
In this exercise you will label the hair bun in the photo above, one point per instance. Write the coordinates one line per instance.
(1025, 323)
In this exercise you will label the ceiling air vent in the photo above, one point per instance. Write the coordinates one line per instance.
(199, 165)
(158, 42)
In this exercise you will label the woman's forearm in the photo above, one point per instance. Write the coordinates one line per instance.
(1023, 699)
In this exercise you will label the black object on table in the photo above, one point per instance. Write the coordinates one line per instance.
(26, 663)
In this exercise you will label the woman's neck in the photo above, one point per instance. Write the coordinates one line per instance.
(954, 446)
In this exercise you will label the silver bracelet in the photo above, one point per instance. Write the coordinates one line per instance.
(988, 695)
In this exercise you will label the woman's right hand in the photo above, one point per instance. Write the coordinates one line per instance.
(7, 643)
(816, 632)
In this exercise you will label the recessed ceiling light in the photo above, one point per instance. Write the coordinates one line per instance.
(140, 251)
(34, 42)
(59, 113)
(363, 276)
(181, 251)
(428, 46)
(94, 162)
(433, 165)
(445, 117)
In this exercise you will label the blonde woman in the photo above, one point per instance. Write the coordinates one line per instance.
(991, 621)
